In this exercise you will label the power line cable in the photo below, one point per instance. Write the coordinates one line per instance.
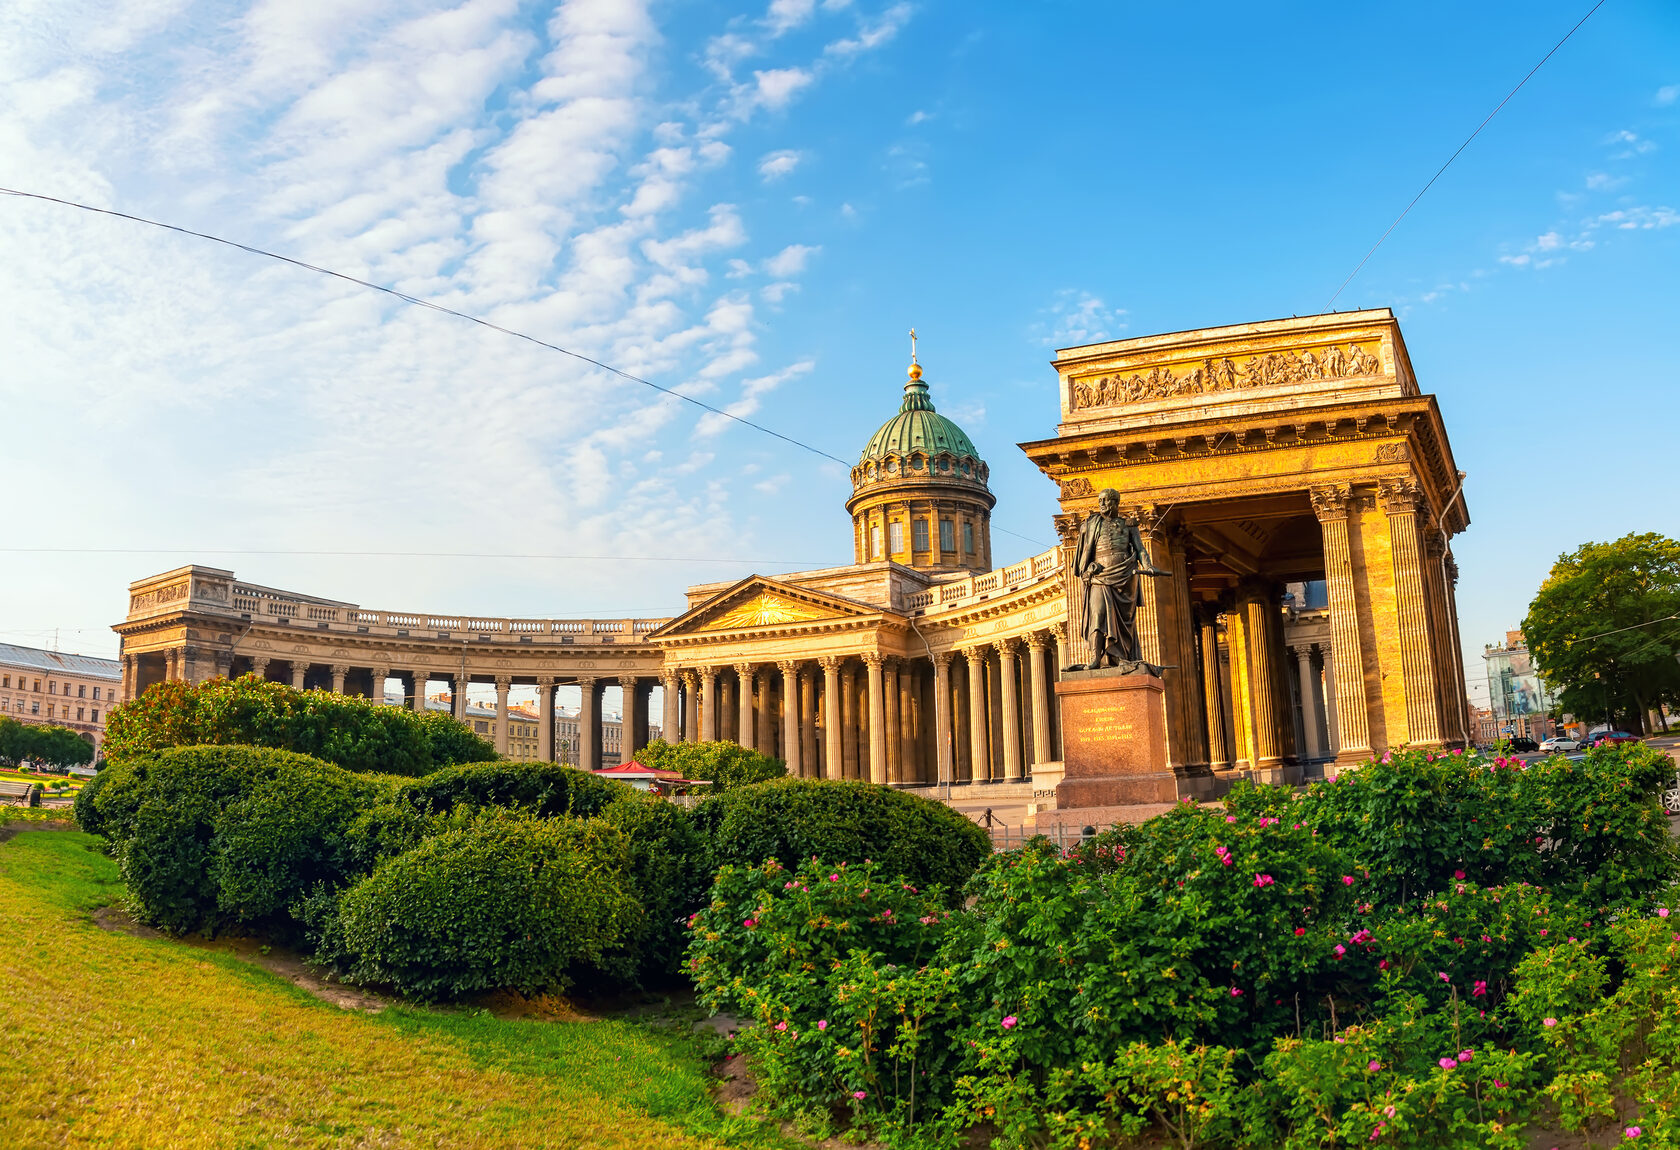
(425, 303)
(1331, 305)
(400, 555)
(418, 302)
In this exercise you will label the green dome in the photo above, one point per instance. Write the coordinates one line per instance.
(917, 428)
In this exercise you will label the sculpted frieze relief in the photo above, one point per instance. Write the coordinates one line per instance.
(1214, 375)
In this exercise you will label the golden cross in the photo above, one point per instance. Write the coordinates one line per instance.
(912, 345)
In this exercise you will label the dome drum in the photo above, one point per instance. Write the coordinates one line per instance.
(919, 493)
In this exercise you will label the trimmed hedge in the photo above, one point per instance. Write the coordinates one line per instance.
(507, 901)
(670, 870)
(208, 836)
(543, 789)
(351, 732)
(790, 820)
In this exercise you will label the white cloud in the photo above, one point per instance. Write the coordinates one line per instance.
(786, 15)
(778, 86)
(1078, 317)
(1667, 95)
(775, 165)
(540, 176)
(1633, 144)
(873, 34)
(1604, 181)
(790, 261)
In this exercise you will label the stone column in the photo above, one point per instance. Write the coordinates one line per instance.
(909, 770)
(1353, 730)
(1453, 716)
(458, 695)
(1461, 699)
(708, 704)
(691, 707)
(1037, 647)
(1059, 632)
(1309, 701)
(748, 738)
(376, 686)
(298, 672)
(417, 690)
(339, 671)
(632, 735)
(589, 723)
(790, 714)
(1332, 738)
(1257, 601)
(1185, 707)
(1074, 649)
(259, 668)
(764, 681)
(979, 743)
(1219, 743)
(809, 764)
(545, 718)
(834, 745)
(943, 746)
(890, 704)
(1011, 709)
(877, 721)
(671, 729)
(1403, 505)
(1240, 693)
(851, 725)
(503, 682)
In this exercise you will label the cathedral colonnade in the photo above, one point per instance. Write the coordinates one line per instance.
(975, 714)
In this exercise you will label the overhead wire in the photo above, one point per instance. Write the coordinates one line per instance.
(417, 301)
(1467, 141)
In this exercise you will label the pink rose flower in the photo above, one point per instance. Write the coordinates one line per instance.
(1347, 880)
(860, 1095)
(1447, 1063)
(822, 1024)
(1235, 993)
(1009, 1021)
(1549, 1021)
(1373, 1065)
(781, 1026)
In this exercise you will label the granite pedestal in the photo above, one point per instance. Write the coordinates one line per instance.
(1114, 743)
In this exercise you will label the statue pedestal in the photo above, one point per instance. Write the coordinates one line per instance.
(1114, 742)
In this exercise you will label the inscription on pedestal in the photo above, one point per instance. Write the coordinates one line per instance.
(1114, 740)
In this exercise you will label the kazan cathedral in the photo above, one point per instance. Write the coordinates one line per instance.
(1290, 477)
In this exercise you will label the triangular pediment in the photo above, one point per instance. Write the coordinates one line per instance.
(757, 603)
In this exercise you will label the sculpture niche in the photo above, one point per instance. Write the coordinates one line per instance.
(1109, 559)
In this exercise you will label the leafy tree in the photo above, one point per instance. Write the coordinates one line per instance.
(353, 733)
(727, 765)
(42, 743)
(1600, 627)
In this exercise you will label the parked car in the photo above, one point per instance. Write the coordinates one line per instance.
(1560, 743)
(1521, 745)
(1611, 737)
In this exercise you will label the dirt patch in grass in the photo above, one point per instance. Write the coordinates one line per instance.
(10, 830)
(275, 959)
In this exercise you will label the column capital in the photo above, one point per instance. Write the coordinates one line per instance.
(1007, 646)
(1302, 650)
(976, 656)
(829, 663)
(744, 670)
(788, 666)
(1330, 502)
(259, 663)
(586, 680)
(1067, 528)
(874, 659)
(503, 682)
(545, 680)
(629, 681)
(1434, 543)
(340, 668)
(943, 658)
(1399, 496)
(1149, 518)
(1038, 640)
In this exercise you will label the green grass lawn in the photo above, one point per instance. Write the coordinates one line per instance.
(111, 1040)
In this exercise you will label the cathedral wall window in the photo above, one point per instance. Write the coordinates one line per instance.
(947, 535)
(895, 537)
(968, 538)
(919, 534)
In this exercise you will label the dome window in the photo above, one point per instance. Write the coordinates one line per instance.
(892, 467)
(944, 466)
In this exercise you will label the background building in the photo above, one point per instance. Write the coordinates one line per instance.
(49, 687)
(1519, 704)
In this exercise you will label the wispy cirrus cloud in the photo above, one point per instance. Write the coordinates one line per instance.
(533, 173)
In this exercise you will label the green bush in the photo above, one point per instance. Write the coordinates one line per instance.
(87, 815)
(668, 866)
(208, 836)
(352, 732)
(1594, 829)
(792, 820)
(724, 764)
(507, 901)
(542, 789)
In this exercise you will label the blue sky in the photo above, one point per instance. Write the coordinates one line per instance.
(753, 203)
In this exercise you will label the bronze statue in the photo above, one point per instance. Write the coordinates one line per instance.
(1109, 558)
